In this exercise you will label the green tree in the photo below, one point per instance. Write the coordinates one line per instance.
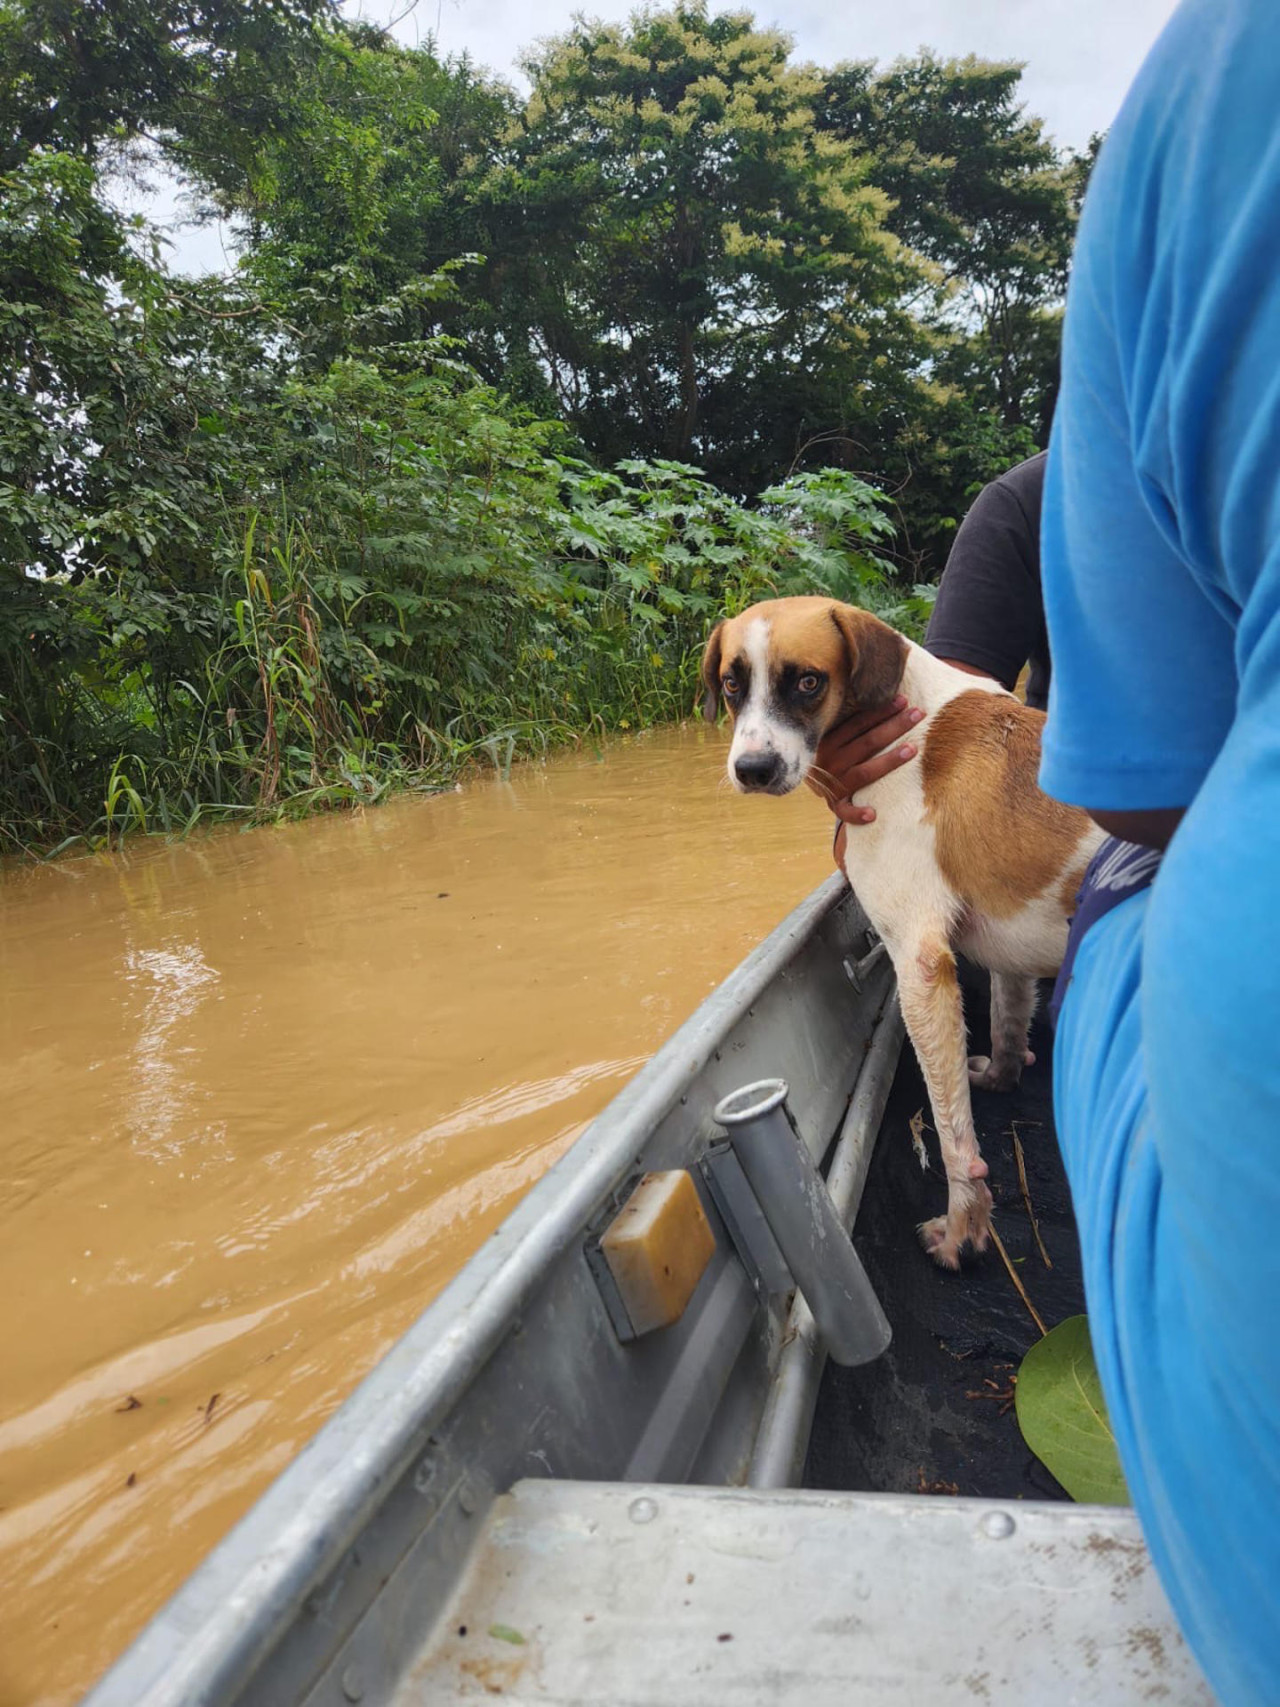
(698, 270)
(1080, 168)
(82, 77)
(980, 190)
(977, 189)
(364, 180)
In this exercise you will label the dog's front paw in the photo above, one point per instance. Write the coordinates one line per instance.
(967, 1222)
(988, 1075)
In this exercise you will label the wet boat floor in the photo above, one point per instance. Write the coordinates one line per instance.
(935, 1413)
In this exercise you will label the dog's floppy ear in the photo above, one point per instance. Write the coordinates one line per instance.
(877, 655)
(711, 674)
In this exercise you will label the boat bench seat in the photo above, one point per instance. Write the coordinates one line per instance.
(626, 1594)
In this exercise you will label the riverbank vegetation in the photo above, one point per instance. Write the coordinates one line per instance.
(508, 393)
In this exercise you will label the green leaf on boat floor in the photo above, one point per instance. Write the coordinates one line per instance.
(1063, 1416)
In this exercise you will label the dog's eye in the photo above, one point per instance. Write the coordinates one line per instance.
(730, 686)
(809, 682)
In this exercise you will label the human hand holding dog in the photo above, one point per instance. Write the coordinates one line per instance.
(851, 756)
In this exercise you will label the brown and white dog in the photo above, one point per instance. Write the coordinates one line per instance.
(964, 855)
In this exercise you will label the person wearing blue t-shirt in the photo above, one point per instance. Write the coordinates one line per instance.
(1161, 574)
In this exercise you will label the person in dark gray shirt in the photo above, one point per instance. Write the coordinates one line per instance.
(988, 620)
(989, 614)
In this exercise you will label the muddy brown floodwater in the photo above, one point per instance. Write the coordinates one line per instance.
(260, 1096)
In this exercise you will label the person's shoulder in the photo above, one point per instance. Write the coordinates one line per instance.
(1013, 498)
(1025, 481)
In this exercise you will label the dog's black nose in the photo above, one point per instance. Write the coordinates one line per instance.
(757, 770)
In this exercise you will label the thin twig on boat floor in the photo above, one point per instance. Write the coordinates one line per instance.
(924, 1486)
(1013, 1276)
(1006, 1397)
(918, 1130)
(1026, 1195)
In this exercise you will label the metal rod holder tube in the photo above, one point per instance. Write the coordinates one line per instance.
(798, 1208)
(777, 1460)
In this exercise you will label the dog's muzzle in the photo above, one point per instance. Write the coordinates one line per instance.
(758, 770)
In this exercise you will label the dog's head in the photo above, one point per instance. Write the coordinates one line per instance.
(789, 670)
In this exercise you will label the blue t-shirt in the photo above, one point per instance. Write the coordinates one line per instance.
(1161, 566)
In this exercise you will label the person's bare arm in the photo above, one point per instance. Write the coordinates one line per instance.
(1151, 829)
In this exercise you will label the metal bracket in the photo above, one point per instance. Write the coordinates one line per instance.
(607, 1287)
(600, 1270)
(858, 971)
(744, 1220)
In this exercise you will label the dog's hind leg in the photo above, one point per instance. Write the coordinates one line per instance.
(933, 1010)
(1013, 1001)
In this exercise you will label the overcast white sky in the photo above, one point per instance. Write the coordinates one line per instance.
(1080, 55)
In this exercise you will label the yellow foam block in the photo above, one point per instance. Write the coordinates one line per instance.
(657, 1247)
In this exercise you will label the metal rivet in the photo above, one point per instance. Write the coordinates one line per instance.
(352, 1684)
(467, 1498)
(643, 1510)
(997, 1525)
(425, 1474)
